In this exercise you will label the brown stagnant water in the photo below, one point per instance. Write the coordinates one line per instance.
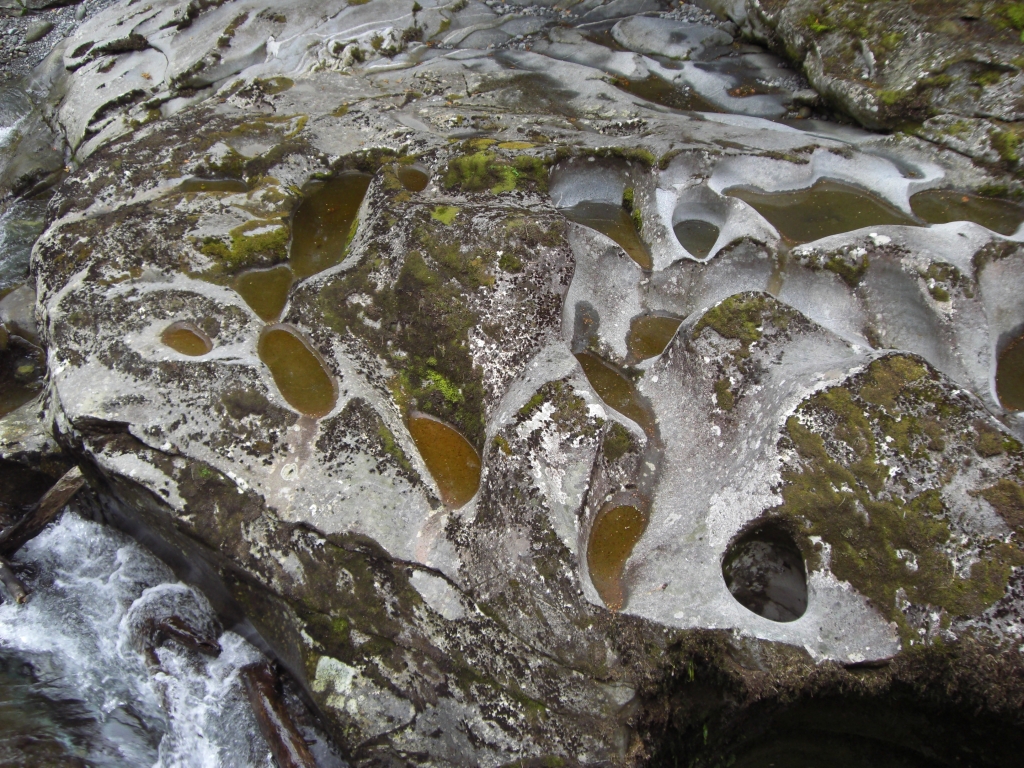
(660, 91)
(21, 376)
(451, 459)
(265, 290)
(697, 236)
(616, 390)
(413, 177)
(187, 339)
(611, 220)
(298, 372)
(323, 222)
(227, 186)
(649, 335)
(616, 531)
(1010, 376)
(823, 209)
(940, 206)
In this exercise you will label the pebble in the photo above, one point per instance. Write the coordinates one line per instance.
(80, 12)
(37, 31)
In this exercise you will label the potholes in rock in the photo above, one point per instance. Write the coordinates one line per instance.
(451, 459)
(823, 209)
(615, 222)
(1010, 375)
(764, 571)
(186, 338)
(941, 206)
(265, 290)
(21, 372)
(616, 390)
(225, 186)
(325, 221)
(299, 373)
(697, 236)
(616, 530)
(660, 91)
(649, 335)
(413, 177)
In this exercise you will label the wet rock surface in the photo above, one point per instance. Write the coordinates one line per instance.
(324, 325)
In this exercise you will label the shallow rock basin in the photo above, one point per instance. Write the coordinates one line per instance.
(324, 221)
(299, 373)
(451, 459)
(265, 290)
(616, 390)
(696, 236)
(649, 335)
(765, 572)
(611, 220)
(187, 339)
(940, 206)
(616, 531)
(413, 177)
(1010, 376)
(823, 209)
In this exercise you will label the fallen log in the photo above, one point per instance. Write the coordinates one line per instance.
(286, 743)
(13, 583)
(12, 539)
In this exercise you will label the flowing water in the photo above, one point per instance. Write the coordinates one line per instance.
(82, 683)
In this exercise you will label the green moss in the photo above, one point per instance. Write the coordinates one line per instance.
(851, 274)
(939, 293)
(534, 402)
(445, 214)
(1007, 497)
(274, 85)
(393, 449)
(503, 445)
(509, 262)
(742, 317)
(1007, 144)
(617, 442)
(245, 250)
(628, 195)
(890, 97)
(723, 394)
(881, 542)
(816, 25)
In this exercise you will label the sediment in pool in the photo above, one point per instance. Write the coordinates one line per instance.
(616, 530)
(615, 222)
(764, 570)
(616, 390)
(452, 461)
(187, 339)
(940, 206)
(649, 335)
(823, 209)
(265, 290)
(299, 373)
(1010, 375)
(325, 222)
(413, 177)
(697, 236)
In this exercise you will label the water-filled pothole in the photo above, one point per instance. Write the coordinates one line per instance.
(451, 459)
(226, 186)
(940, 206)
(21, 375)
(186, 338)
(826, 208)
(764, 571)
(413, 177)
(615, 222)
(616, 531)
(660, 91)
(696, 236)
(1010, 376)
(300, 375)
(649, 335)
(265, 290)
(616, 390)
(324, 222)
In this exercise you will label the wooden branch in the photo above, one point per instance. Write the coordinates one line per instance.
(53, 501)
(286, 743)
(12, 582)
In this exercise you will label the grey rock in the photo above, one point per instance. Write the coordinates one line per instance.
(17, 313)
(38, 31)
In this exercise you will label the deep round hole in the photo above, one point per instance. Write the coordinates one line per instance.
(764, 571)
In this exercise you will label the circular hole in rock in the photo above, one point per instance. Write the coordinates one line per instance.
(413, 177)
(697, 236)
(764, 571)
(187, 339)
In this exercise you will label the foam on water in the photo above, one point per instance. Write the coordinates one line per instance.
(85, 632)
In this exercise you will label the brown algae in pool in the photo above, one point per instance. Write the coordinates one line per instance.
(1010, 376)
(300, 376)
(616, 390)
(324, 221)
(225, 186)
(265, 290)
(413, 177)
(452, 460)
(698, 237)
(824, 209)
(616, 531)
(186, 339)
(615, 222)
(649, 335)
(941, 206)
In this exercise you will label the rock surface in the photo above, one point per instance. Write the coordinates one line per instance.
(841, 390)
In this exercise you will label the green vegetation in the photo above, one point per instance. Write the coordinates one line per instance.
(571, 413)
(851, 274)
(445, 214)
(723, 394)
(245, 250)
(816, 25)
(742, 317)
(617, 442)
(484, 170)
(1007, 144)
(841, 490)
